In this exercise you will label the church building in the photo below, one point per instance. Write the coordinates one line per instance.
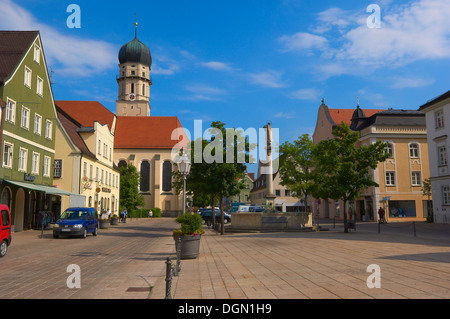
(145, 141)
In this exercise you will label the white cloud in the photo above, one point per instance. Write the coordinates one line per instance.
(410, 82)
(410, 32)
(204, 92)
(307, 94)
(218, 66)
(68, 55)
(333, 18)
(289, 115)
(270, 79)
(303, 41)
(407, 34)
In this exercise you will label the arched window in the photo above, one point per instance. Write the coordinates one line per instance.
(167, 176)
(122, 163)
(6, 197)
(145, 176)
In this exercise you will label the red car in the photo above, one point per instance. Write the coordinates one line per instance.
(5, 229)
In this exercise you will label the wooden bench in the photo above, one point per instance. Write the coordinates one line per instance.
(273, 222)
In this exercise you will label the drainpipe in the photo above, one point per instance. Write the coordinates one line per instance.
(3, 108)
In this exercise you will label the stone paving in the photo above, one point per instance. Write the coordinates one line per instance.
(125, 261)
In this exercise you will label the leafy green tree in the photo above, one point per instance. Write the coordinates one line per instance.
(296, 166)
(217, 175)
(341, 169)
(129, 188)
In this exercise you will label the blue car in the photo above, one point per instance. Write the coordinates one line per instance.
(77, 221)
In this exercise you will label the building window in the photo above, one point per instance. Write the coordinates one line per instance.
(96, 174)
(277, 192)
(439, 118)
(27, 78)
(37, 54)
(7, 155)
(84, 169)
(25, 123)
(389, 149)
(90, 171)
(37, 124)
(390, 178)
(35, 164)
(442, 152)
(122, 163)
(57, 170)
(415, 179)
(143, 89)
(39, 86)
(10, 111)
(287, 193)
(167, 176)
(46, 166)
(145, 176)
(414, 150)
(23, 160)
(132, 86)
(445, 195)
(48, 129)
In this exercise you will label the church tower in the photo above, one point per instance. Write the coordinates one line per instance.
(134, 81)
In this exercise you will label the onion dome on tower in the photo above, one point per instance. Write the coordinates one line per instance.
(135, 51)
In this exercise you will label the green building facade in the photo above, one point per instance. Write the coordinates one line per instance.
(27, 133)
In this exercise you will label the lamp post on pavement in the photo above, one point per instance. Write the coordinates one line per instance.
(184, 166)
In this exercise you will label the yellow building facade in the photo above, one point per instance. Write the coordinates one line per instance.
(84, 158)
(400, 177)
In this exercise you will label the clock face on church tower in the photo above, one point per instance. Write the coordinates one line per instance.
(131, 96)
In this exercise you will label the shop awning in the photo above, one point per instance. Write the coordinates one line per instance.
(41, 188)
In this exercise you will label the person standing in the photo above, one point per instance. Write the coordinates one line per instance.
(381, 215)
(150, 213)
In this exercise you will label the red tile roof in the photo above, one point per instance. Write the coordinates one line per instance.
(13, 46)
(339, 115)
(87, 112)
(147, 132)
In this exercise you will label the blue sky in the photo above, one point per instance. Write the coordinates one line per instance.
(248, 62)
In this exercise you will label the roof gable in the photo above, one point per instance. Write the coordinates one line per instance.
(87, 112)
(13, 46)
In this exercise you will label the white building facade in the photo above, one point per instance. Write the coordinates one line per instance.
(437, 114)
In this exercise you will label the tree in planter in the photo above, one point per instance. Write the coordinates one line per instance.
(296, 166)
(341, 169)
(129, 188)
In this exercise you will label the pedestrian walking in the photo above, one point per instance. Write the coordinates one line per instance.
(381, 215)
(150, 213)
(124, 215)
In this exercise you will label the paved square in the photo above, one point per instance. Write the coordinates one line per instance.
(128, 262)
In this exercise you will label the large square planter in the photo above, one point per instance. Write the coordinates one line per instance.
(114, 221)
(104, 224)
(190, 246)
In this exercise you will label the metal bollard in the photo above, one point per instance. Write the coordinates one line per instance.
(168, 278)
(378, 227)
(414, 224)
(178, 249)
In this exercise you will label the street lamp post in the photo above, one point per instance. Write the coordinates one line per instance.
(184, 166)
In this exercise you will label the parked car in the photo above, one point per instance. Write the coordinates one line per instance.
(5, 229)
(76, 221)
(207, 216)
